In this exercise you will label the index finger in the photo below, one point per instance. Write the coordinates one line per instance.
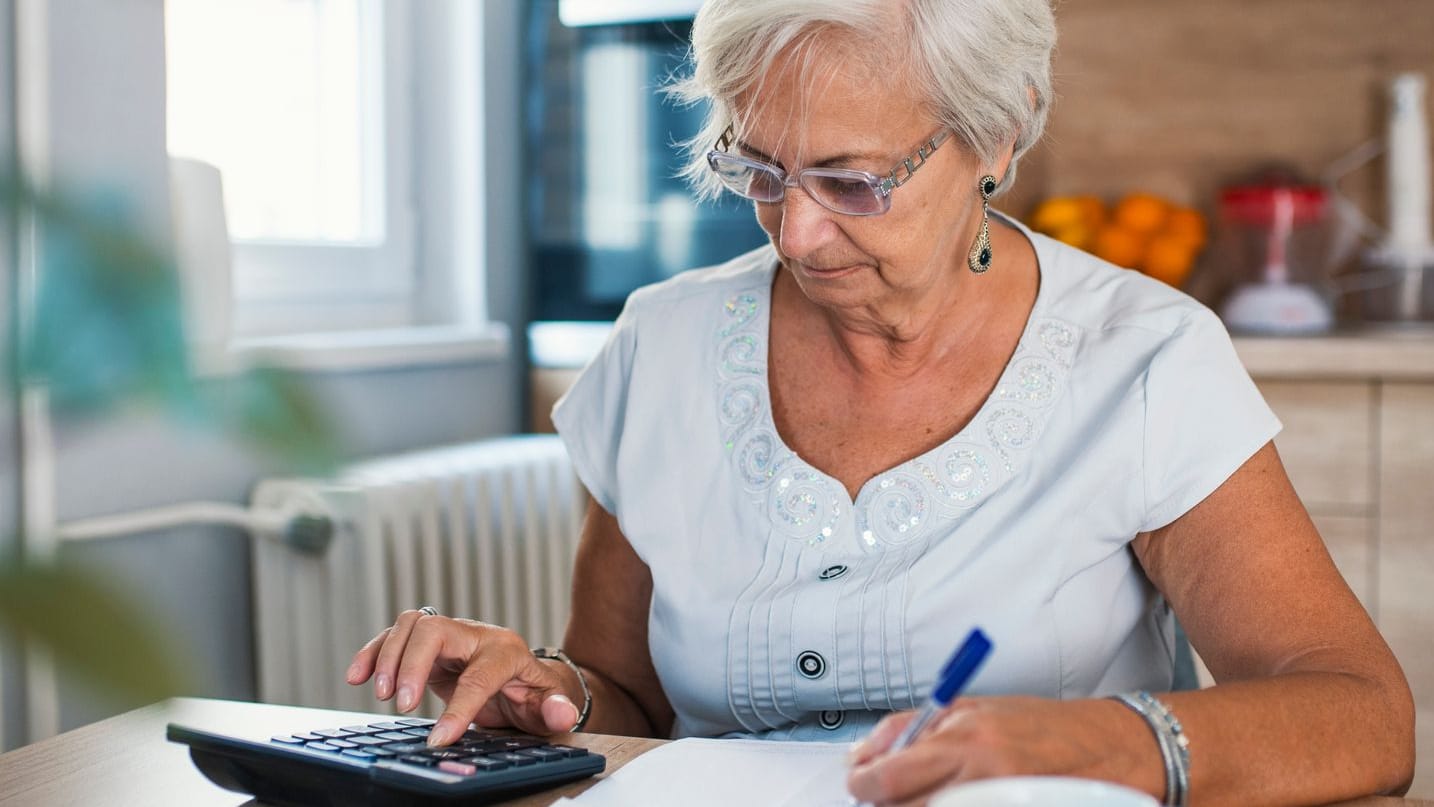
(476, 686)
(880, 738)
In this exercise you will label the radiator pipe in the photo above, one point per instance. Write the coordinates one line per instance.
(306, 532)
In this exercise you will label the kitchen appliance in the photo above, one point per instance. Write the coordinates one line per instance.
(1404, 259)
(606, 209)
(1279, 229)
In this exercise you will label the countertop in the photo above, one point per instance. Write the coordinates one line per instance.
(1354, 355)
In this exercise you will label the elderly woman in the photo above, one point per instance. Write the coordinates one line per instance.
(817, 466)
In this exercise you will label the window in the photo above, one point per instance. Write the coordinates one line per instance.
(305, 107)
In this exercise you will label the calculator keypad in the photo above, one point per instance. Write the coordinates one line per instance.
(473, 754)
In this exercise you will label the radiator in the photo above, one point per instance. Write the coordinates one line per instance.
(486, 530)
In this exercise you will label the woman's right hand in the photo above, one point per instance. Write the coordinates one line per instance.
(485, 674)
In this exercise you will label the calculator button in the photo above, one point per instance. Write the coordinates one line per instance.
(392, 725)
(361, 730)
(380, 751)
(516, 743)
(569, 750)
(321, 747)
(358, 753)
(416, 722)
(478, 735)
(446, 753)
(367, 741)
(516, 759)
(454, 766)
(287, 740)
(336, 734)
(306, 737)
(419, 759)
(394, 736)
(488, 763)
(405, 748)
(417, 732)
(543, 754)
(341, 744)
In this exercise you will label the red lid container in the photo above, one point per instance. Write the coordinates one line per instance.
(1261, 205)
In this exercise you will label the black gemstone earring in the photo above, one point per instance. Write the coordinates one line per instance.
(980, 258)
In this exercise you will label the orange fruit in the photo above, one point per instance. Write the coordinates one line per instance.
(1077, 235)
(1055, 213)
(1170, 257)
(1092, 210)
(1119, 245)
(1142, 212)
(1188, 225)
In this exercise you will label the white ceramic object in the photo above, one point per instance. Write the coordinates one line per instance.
(1041, 791)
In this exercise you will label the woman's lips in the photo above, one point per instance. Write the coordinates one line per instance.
(827, 272)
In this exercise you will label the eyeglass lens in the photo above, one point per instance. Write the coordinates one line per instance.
(832, 188)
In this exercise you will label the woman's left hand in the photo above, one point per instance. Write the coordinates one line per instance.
(979, 738)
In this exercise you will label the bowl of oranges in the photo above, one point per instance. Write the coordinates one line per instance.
(1141, 231)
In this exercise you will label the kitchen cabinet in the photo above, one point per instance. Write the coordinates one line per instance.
(1358, 444)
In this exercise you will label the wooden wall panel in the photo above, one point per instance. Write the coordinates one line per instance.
(1178, 98)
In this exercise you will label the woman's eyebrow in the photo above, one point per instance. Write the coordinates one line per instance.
(834, 161)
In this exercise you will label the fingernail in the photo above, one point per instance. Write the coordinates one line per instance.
(440, 734)
(571, 705)
(352, 673)
(405, 699)
(383, 686)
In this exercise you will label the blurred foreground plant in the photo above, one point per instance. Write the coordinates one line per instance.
(106, 331)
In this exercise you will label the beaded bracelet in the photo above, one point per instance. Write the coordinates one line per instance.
(1170, 736)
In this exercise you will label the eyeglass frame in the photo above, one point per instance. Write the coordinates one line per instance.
(882, 186)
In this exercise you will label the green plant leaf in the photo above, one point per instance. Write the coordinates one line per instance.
(274, 411)
(93, 631)
(107, 322)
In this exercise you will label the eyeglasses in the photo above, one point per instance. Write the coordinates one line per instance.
(840, 190)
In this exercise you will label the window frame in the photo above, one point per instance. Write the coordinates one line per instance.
(287, 287)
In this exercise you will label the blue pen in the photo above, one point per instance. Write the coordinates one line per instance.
(953, 678)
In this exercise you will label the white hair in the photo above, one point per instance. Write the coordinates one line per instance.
(983, 66)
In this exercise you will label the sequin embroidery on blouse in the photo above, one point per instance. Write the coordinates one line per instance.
(905, 503)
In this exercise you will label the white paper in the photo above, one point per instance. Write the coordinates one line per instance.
(721, 773)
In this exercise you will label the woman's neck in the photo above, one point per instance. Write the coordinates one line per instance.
(899, 337)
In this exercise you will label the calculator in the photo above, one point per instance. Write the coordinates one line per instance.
(386, 763)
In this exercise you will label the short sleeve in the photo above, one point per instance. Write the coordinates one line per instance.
(1204, 418)
(591, 416)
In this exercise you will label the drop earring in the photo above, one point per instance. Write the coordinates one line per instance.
(980, 258)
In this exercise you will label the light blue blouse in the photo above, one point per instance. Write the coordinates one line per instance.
(783, 609)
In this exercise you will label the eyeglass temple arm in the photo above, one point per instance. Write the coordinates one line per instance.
(725, 141)
(894, 180)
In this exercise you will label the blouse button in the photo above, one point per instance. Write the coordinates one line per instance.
(833, 572)
(811, 664)
(831, 719)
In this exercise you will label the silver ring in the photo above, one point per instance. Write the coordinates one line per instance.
(428, 610)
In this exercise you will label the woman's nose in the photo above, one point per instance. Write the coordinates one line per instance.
(806, 225)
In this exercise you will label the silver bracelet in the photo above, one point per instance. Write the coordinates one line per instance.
(1170, 736)
(1176, 734)
(557, 654)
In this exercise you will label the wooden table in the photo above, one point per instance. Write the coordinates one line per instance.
(126, 762)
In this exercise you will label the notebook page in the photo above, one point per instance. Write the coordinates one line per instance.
(699, 772)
